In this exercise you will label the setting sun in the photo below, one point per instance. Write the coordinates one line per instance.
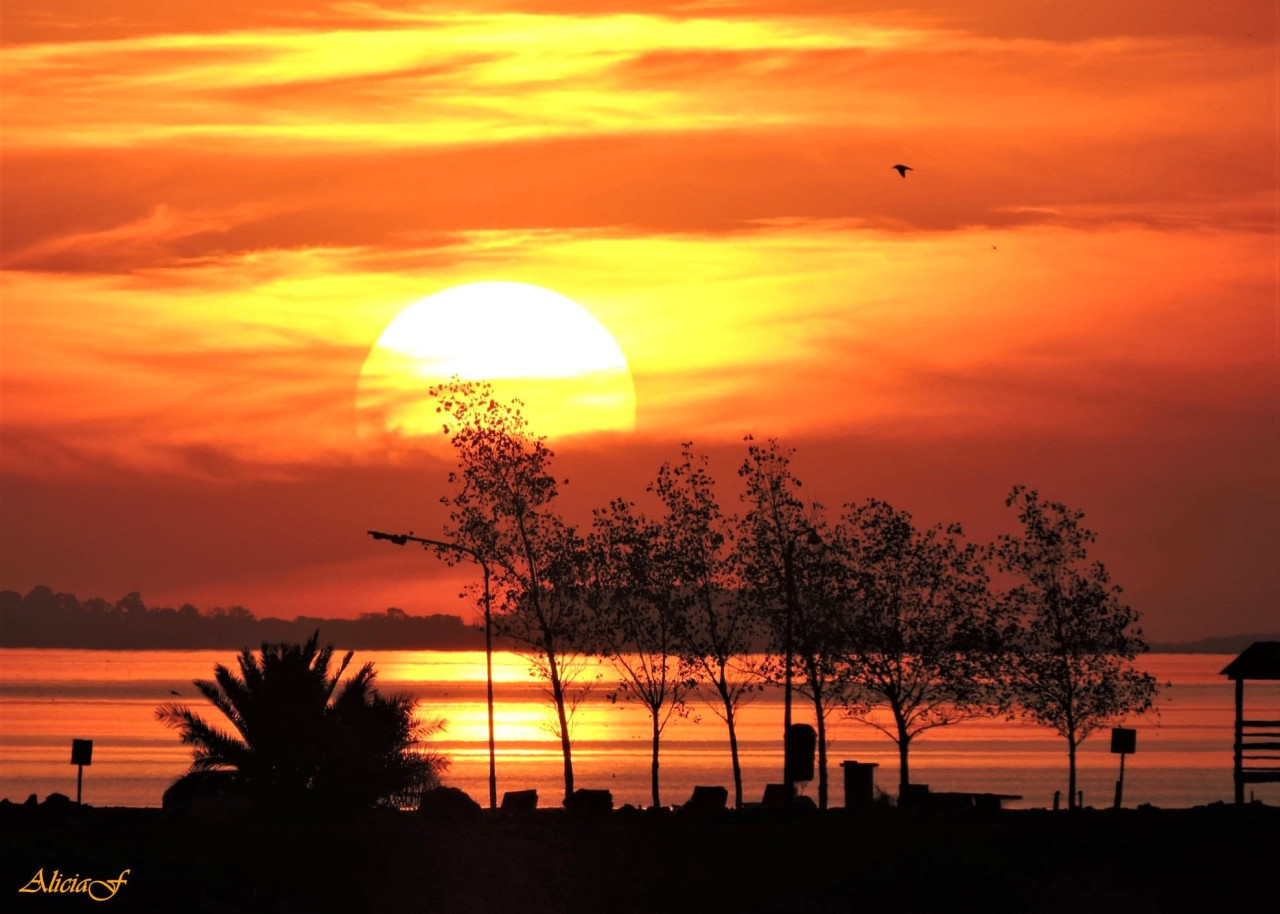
(528, 342)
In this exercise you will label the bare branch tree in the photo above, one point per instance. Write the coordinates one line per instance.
(918, 626)
(638, 616)
(502, 508)
(1073, 643)
(781, 549)
(717, 634)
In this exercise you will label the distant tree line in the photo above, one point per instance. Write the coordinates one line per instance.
(43, 618)
(865, 614)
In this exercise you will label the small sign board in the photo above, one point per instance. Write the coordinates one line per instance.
(1124, 740)
(82, 752)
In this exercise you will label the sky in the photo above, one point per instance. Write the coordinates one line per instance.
(212, 212)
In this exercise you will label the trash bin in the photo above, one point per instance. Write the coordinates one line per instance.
(859, 784)
(801, 741)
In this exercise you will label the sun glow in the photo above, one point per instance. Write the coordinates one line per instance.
(530, 343)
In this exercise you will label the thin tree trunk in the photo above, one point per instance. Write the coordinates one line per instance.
(822, 748)
(824, 784)
(1071, 773)
(557, 688)
(733, 752)
(557, 695)
(904, 766)
(653, 768)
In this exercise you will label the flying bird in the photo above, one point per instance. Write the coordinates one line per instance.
(172, 692)
(903, 169)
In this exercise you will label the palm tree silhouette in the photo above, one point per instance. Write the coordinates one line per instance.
(370, 757)
(296, 742)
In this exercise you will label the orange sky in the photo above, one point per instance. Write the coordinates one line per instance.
(210, 214)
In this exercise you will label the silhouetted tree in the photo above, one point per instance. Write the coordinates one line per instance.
(1073, 642)
(637, 616)
(41, 600)
(918, 623)
(718, 630)
(131, 605)
(502, 508)
(781, 550)
(293, 742)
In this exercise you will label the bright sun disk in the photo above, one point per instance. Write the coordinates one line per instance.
(528, 342)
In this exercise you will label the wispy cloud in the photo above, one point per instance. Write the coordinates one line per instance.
(447, 79)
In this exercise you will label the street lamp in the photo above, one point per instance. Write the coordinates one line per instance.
(813, 542)
(400, 539)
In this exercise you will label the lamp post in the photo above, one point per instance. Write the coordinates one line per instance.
(815, 545)
(400, 539)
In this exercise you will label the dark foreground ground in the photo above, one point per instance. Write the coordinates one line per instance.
(1131, 861)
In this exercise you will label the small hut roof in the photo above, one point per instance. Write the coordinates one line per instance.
(1260, 660)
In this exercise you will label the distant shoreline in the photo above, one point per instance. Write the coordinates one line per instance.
(1227, 644)
(45, 619)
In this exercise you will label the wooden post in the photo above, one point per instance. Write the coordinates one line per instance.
(1238, 768)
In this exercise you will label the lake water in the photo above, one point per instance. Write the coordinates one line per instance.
(49, 697)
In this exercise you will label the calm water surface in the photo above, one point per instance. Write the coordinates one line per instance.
(49, 697)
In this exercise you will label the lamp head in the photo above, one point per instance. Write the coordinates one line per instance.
(398, 538)
(814, 543)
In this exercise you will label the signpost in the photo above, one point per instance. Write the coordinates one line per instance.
(1123, 742)
(81, 755)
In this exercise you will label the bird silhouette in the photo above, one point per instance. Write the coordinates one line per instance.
(903, 169)
(172, 692)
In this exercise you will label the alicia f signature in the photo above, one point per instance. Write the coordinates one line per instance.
(57, 884)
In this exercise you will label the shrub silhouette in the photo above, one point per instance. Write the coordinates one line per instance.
(300, 740)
